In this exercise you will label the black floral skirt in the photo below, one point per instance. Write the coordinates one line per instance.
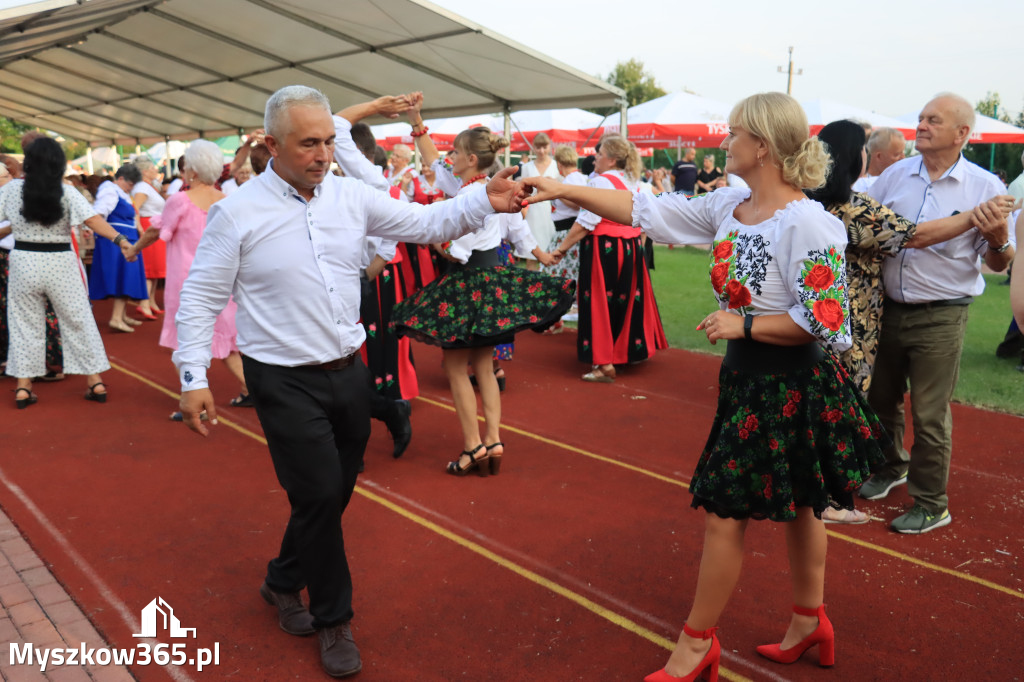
(782, 440)
(472, 307)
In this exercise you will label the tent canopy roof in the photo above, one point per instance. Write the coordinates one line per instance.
(140, 70)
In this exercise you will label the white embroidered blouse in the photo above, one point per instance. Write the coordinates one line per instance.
(791, 263)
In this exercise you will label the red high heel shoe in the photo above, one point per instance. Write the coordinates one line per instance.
(708, 664)
(823, 636)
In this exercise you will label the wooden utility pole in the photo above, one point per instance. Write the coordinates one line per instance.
(789, 80)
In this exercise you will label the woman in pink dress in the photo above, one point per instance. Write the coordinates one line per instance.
(181, 225)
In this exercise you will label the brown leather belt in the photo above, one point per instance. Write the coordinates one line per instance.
(340, 363)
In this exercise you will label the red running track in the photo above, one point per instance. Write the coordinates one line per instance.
(576, 563)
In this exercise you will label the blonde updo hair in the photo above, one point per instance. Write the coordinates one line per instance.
(780, 122)
(627, 158)
(482, 143)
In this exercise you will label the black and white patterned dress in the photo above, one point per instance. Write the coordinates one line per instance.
(57, 275)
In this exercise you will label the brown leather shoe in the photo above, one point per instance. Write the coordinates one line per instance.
(338, 652)
(291, 614)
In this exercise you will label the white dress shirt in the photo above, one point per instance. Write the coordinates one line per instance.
(354, 164)
(864, 183)
(107, 196)
(292, 267)
(951, 269)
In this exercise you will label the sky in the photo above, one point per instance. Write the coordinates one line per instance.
(887, 56)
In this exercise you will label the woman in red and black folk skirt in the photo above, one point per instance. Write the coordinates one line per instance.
(619, 321)
(388, 356)
(418, 262)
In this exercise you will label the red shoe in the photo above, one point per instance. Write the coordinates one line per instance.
(144, 314)
(708, 664)
(823, 636)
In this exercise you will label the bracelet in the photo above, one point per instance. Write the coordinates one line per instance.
(118, 239)
(748, 325)
(420, 133)
(1001, 249)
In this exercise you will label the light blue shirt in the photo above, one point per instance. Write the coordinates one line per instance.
(948, 270)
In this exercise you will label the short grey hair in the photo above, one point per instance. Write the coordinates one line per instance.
(143, 162)
(205, 159)
(963, 110)
(284, 99)
(882, 138)
(402, 151)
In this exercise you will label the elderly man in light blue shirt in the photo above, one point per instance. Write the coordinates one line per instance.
(928, 292)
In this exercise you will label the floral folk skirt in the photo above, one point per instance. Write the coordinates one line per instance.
(786, 440)
(473, 307)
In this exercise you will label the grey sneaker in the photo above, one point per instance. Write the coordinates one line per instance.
(877, 487)
(918, 520)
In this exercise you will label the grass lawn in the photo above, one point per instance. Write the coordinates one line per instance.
(684, 297)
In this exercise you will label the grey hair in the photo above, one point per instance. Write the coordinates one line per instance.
(143, 162)
(402, 151)
(963, 109)
(285, 98)
(205, 159)
(881, 138)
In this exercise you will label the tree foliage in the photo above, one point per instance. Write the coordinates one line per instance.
(10, 135)
(635, 80)
(997, 157)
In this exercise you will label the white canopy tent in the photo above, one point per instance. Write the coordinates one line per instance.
(142, 71)
(821, 112)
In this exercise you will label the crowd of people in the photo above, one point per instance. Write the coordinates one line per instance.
(843, 274)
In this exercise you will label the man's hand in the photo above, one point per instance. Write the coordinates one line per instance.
(392, 106)
(992, 223)
(540, 188)
(506, 196)
(193, 404)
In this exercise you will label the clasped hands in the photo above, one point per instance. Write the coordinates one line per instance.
(990, 217)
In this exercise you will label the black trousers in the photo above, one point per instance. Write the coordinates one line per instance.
(317, 424)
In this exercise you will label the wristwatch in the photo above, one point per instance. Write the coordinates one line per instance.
(748, 326)
(1001, 249)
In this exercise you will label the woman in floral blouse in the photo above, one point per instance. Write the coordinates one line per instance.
(875, 233)
(478, 304)
(791, 432)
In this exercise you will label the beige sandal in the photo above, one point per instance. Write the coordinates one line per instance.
(851, 517)
(599, 376)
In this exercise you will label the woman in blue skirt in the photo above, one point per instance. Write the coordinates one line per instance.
(111, 275)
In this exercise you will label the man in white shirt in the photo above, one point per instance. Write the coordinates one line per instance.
(1016, 187)
(288, 250)
(927, 295)
(886, 146)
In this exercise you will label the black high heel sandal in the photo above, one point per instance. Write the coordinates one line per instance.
(478, 463)
(494, 461)
(32, 399)
(94, 396)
